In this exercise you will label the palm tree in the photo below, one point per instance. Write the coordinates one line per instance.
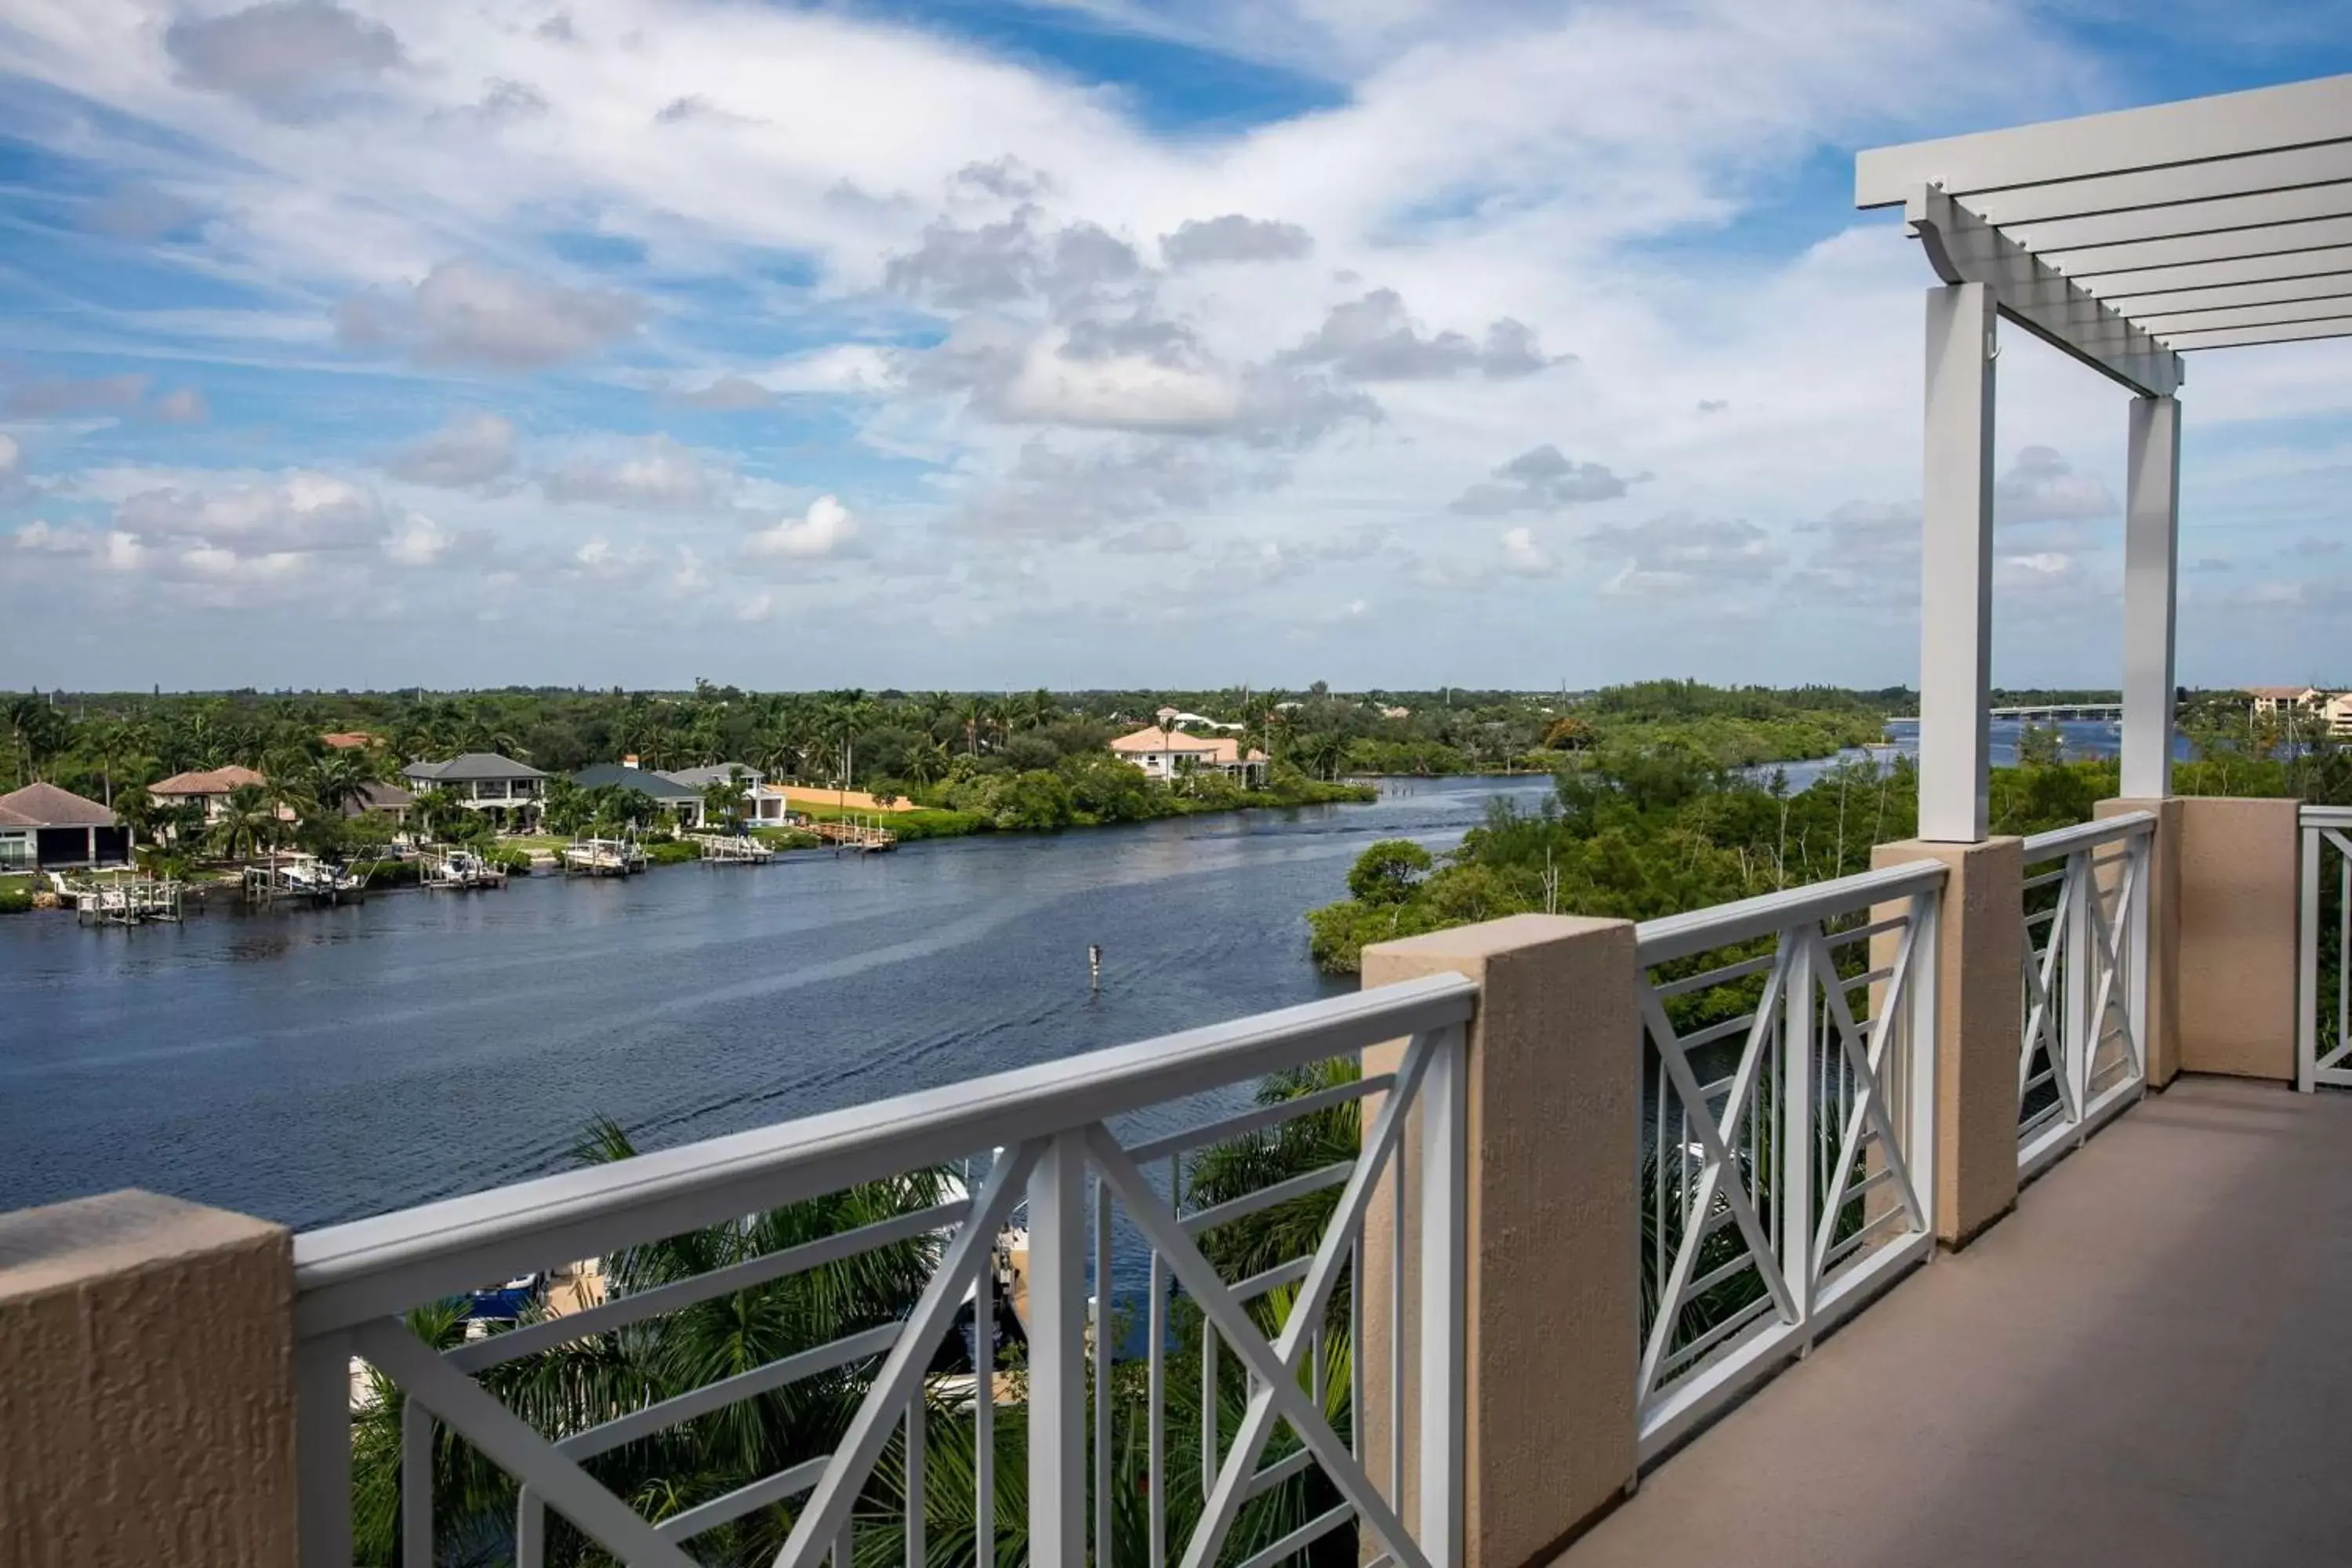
(248, 822)
(1038, 710)
(927, 763)
(334, 781)
(570, 1387)
(437, 806)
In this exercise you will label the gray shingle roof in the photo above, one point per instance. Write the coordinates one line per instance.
(472, 767)
(644, 781)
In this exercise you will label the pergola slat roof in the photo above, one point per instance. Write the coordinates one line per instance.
(2128, 239)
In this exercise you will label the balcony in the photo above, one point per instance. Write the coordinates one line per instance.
(1961, 1211)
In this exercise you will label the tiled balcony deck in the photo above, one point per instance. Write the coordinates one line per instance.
(2149, 1362)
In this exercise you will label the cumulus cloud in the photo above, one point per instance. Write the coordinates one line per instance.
(12, 466)
(1375, 339)
(466, 314)
(290, 59)
(301, 513)
(1007, 177)
(1063, 492)
(1869, 554)
(1542, 478)
(1522, 553)
(731, 394)
(60, 397)
(419, 541)
(2039, 571)
(1233, 237)
(826, 528)
(471, 450)
(112, 549)
(2041, 486)
(658, 475)
(1011, 261)
(1680, 552)
(1161, 536)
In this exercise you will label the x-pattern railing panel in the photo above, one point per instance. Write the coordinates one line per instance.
(2081, 1054)
(1797, 1176)
(2323, 1022)
(889, 1364)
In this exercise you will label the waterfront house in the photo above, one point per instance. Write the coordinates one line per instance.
(682, 801)
(348, 741)
(382, 800)
(209, 788)
(44, 828)
(762, 802)
(511, 791)
(1165, 753)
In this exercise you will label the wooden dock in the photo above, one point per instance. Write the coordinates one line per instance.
(120, 900)
(853, 834)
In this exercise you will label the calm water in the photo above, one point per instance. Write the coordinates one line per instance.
(2083, 741)
(318, 1064)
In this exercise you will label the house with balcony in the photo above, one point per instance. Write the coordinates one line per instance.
(763, 804)
(512, 792)
(209, 788)
(1169, 753)
(678, 801)
(1984, 1207)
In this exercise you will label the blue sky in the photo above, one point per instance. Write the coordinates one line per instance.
(1091, 343)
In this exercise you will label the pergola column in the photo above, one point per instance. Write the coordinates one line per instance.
(1956, 568)
(2151, 575)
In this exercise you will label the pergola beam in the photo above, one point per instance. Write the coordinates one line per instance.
(2233, 245)
(2296, 169)
(2231, 125)
(2230, 296)
(1963, 248)
(2219, 215)
(2301, 331)
(2167, 326)
(2303, 265)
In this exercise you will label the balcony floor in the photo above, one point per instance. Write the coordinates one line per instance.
(2149, 1362)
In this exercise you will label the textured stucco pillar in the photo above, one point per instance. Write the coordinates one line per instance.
(1554, 1058)
(2239, 908)
(1979, 995)
(146, 1391)
(2163, 895)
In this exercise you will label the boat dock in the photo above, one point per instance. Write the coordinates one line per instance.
(120, 900)
(301, 876)
(602, 857)
(730, 849)
(851, 833)
(460, 870)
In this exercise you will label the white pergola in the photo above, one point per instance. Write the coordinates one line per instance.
(2126, 240)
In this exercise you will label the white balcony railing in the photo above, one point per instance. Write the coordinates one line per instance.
(1039, 1132)
(2082, 1052)
(1791, 1080)
(2324, 1011)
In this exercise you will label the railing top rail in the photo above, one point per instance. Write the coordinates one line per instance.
(2327, 816)
(346, 1274)
(1702, 931)
(2088, 835)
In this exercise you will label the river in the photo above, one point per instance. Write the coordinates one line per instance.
(314, 1066)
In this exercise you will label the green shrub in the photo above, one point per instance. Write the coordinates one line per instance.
(15, 897)
(672, 853)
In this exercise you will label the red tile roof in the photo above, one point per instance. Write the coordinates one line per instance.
(47, 806)
(217, 781)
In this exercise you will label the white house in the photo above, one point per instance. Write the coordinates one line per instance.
(511, 791)
(762, 802)
(1165, 753)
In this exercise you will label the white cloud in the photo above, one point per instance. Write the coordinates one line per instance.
(1542, 478)
(291, 59)
(1233, 237)
(1373, 339)
(300, 512)
(658, 475)
(471, 450)
(1681, 553)
(826, 528)
(2041, 486)
(731, 394)
(419, 541)
(469, 315)
(1522, 553)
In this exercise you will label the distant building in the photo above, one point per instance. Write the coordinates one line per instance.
(2270, 699)
(208, 788)
(348, 741)
(666, 794)
(1165, 753)
(44, 828)
(1179, 719)
(511, 791)
(764, 802)
(381, 800)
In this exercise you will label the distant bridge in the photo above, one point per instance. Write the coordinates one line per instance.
(2049, 712)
